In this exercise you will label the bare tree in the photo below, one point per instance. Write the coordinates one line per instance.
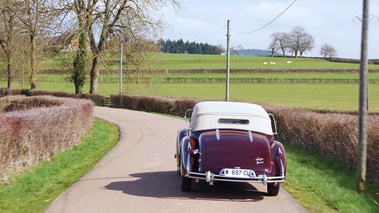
(279, 41)
(8, 29)
(35, 16)
(104, 18)
(237, 49)
(139, 55)
(300, 41)
(327, 50)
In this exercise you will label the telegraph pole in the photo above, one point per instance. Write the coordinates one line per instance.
(121, 50)
(363, 97)
(227, 61)
(368, 20)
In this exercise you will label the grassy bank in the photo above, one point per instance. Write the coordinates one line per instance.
(325, 184)
(35, 189)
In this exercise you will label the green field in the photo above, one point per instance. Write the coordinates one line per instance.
(329, 96)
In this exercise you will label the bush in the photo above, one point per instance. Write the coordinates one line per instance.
(29, 136)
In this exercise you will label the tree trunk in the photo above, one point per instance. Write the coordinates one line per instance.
(9, 71)
(94, 81)
(10, 78)
(33, 71)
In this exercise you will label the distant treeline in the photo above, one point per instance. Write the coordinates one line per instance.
(187, 47)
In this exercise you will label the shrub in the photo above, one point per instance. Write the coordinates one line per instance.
(29, 136)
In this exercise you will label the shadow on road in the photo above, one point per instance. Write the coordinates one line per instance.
(166, 184)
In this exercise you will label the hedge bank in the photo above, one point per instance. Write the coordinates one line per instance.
(33, 129)
(97, 99)
(329, 133)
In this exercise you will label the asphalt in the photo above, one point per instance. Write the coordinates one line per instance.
(139, 175)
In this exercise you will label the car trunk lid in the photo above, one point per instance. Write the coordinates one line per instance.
(234, 149)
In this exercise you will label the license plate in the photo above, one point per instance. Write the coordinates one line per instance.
(237, 173)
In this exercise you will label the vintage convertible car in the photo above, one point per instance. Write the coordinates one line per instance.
(230, 141)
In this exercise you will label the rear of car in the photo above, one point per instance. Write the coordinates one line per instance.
(230, 141)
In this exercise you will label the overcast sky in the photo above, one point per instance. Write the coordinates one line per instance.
(335, 22)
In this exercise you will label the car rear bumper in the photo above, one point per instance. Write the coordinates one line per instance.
(211, 177)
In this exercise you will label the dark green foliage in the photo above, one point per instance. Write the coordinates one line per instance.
(79, 73)
(179, 46)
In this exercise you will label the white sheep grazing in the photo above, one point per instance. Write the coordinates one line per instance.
(289, 62)
(272, 62)
(265, 62)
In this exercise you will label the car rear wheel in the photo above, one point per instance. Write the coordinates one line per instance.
(273, 189)
(186, 184)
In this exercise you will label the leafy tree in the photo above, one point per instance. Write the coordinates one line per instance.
(78, 76)
(327, 50)
(179, 46)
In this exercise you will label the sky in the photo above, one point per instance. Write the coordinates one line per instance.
(334, 22)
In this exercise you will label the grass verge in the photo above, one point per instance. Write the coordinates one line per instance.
(325, 184)
(35, 189)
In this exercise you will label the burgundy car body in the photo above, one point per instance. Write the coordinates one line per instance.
(230, 141)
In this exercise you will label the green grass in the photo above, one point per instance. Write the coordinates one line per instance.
(325, 184)
(35, 189)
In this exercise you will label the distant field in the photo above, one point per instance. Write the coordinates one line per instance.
(187, 61)
(182, 61)
(317, 96)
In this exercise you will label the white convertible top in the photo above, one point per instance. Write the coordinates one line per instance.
(233, 115)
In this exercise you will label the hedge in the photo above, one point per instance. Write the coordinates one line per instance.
(31, 133)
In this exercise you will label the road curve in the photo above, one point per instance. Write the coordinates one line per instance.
(139, 175)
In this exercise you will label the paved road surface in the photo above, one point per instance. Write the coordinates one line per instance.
(139, 175)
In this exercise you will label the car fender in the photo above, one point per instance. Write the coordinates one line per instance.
(278, 157)
(185, 158)
(181, 134)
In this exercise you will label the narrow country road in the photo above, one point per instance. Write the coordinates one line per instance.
(139, 175)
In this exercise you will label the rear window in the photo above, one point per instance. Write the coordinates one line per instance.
(233, 121)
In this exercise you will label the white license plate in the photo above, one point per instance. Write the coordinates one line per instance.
(237, 173)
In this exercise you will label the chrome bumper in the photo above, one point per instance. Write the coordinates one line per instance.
(211, 177)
